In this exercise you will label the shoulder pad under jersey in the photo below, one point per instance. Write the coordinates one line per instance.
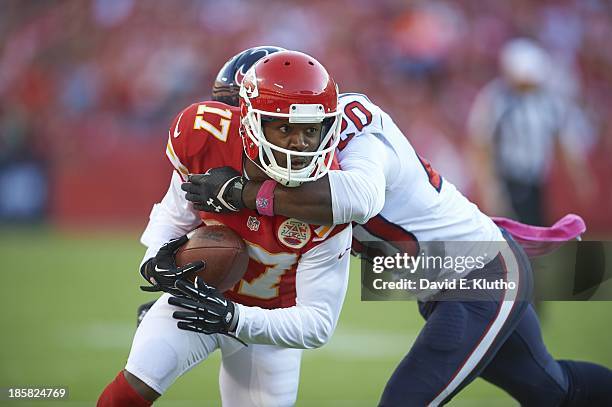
(359, 115)
(194, 129)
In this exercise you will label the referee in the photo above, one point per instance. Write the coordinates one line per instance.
(515, 124)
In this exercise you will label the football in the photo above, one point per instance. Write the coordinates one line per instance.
(224, 252)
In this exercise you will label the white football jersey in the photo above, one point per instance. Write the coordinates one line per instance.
(418, 203)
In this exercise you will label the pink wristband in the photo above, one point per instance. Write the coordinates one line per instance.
(265, 198)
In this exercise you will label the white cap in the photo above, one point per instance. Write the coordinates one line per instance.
(523, 60)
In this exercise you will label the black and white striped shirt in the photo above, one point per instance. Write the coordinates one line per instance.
(523, 128)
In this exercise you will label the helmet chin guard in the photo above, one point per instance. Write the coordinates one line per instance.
(294, 86)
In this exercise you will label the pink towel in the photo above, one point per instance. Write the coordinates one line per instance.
(542, 240)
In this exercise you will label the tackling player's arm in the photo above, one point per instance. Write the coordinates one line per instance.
(311, 202)
(354, 194)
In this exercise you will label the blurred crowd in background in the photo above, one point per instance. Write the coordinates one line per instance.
(88, 88)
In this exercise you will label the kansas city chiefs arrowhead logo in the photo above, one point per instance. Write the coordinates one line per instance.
(294, 233)
(249, 85)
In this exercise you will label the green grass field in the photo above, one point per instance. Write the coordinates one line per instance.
(68, 316)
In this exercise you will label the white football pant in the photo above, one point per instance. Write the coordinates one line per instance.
(257, 375)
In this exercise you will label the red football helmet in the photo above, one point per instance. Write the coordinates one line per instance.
(295, 86)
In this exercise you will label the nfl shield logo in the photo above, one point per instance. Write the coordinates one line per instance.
(253, 223)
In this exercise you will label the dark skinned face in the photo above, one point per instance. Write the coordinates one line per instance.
(300, 137)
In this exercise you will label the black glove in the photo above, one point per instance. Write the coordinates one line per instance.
(219, 190)
(209, 312)
(162, 272)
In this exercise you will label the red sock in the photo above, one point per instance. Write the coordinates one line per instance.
(119, 393)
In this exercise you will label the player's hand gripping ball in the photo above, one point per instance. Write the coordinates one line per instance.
(224, 252)
(162, 271)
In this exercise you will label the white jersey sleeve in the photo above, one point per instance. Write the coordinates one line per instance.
(321, 283)
(366, 159)
(174, 216)
(358, 191)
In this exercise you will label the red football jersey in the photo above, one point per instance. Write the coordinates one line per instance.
(206, 135)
